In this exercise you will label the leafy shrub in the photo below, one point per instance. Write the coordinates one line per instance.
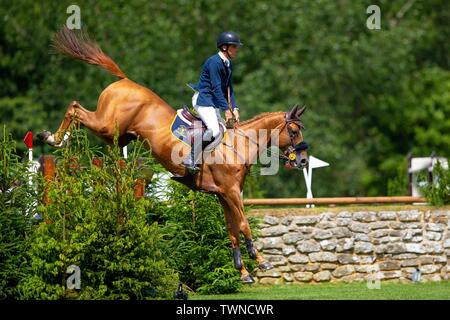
(437, 193)
(16, 199)
(125, 248)
(398, 184)
(198, 242)
(93, 221)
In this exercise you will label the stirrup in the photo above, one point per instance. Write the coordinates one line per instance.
(192, 168)
(190, 165)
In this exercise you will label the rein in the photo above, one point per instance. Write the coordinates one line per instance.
(291, 149)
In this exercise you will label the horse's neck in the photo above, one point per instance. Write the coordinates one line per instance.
(260, 133)
(265, 126)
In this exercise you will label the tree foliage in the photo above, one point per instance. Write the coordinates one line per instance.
(16, 201)
(93, 221)
(372, 95)
(196, 236)
(437, 192)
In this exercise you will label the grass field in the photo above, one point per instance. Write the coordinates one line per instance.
(338, 291)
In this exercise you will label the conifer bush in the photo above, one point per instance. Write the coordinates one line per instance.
(16, 200)
(197, 239)
(93, 221)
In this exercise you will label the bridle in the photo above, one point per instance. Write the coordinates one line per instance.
(291, 152)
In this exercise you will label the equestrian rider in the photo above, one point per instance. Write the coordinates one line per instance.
(214, 92)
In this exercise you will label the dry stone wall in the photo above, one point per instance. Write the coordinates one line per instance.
(354, 246)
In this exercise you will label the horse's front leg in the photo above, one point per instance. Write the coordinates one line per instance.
(235, 203)
(252, 252)
(237, 223)
(233, 233)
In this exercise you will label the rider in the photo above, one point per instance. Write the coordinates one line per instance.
(214, 92)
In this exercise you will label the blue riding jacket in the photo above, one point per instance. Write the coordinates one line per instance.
(215, 78)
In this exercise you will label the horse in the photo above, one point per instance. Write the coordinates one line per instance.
(136, 112)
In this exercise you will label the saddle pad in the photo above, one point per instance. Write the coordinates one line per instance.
(180, 126)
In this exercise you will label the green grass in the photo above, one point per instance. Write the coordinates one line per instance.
(338, 291)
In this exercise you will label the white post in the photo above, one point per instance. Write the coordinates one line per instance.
(30, 166)
(28, 140)
(125, 152)
(310, 195)
(308, 185)
(313, 163)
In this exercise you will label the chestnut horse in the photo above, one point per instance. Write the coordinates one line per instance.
(139, 113)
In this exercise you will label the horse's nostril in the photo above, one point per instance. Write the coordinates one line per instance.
(303, 161)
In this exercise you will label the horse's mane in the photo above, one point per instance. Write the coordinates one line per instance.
(259, 117)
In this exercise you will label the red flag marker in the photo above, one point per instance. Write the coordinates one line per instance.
(29, 139)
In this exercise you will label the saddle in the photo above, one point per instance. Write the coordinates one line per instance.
(190, 114)
(187, 124)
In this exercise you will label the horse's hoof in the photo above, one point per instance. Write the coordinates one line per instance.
(43, 136)
(248, 279)
(265, 266)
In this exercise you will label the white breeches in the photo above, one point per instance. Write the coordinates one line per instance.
(209, 115)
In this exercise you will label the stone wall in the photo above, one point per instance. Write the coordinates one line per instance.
(354, 246)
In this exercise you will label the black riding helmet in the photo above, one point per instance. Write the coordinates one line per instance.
(228, 37)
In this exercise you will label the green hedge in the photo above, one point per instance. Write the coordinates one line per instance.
(125, 248)
(16, 198)
(196, 237)
(94, 222)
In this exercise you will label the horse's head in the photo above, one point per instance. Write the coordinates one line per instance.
(291, 140)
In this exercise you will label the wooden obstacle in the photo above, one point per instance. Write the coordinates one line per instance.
(337, 200)
(48, 169)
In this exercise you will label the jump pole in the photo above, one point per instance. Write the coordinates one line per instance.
(336, 200)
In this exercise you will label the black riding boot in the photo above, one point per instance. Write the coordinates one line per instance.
(191, 162)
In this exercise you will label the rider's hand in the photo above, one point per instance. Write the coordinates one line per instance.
(236, 114)
(228, 115)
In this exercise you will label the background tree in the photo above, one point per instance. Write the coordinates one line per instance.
(372, 95)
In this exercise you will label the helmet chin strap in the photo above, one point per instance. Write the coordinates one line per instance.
(225, 51)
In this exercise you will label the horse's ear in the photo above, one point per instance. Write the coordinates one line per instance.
(292, 113)
(300, 112)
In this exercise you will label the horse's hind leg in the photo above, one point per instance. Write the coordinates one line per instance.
(75, 113)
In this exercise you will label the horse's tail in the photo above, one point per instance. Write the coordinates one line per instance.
(78, 46)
